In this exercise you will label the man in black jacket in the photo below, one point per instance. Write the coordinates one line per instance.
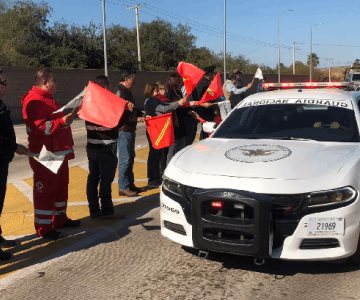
(8, 147)
(126, 137)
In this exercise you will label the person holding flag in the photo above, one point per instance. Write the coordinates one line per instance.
(101, 151)
(229, 87)
(155, 107)
(52, 130)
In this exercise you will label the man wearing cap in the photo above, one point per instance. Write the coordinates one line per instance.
(8, 147)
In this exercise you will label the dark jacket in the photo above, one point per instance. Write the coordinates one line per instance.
(180, 116)
(128, 120)
(155, 107)
(7, 135)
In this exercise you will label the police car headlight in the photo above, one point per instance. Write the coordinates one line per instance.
(172, 187)
(343, 195)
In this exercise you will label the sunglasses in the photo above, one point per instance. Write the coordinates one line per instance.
(3, 82)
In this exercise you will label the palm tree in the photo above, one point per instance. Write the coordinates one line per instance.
(315, 59)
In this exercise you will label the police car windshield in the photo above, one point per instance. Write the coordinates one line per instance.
(291, 121)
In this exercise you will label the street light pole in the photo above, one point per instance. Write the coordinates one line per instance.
(278, 40)
(329, 61)
(311, 56)
(136, 7)
(224, 40)
(294, 58)
(104, 37)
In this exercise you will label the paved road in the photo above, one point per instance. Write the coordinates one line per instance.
(138, 263)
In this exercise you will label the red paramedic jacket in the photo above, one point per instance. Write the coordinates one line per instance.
(44, 127)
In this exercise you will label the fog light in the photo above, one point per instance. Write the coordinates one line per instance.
(217, 204)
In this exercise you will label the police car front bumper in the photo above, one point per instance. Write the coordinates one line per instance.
(257, 225)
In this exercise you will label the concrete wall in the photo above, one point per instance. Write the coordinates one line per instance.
(72, 81)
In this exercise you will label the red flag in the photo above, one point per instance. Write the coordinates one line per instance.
(160, 130)
(101, 106)
(191, 75)
(214, 90)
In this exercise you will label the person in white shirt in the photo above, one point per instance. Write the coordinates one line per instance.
(229, 87)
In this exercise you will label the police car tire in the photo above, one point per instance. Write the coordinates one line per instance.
(190, 250)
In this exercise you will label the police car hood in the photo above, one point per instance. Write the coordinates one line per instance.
(267, 159)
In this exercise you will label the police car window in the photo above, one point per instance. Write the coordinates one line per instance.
(291, 121)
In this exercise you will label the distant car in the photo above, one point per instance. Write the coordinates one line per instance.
(279, 178)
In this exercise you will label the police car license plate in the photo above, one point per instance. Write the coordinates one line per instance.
(325, 226)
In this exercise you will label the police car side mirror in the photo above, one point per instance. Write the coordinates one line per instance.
(209, 127)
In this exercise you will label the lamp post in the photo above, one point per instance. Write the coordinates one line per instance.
(224, 40)
(278, 39)
(311, 56)
(136, 7)
(104, 37)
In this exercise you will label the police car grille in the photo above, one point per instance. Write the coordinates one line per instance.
(227, 236)
(286, 204)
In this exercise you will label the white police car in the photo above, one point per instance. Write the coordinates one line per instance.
(280, 178)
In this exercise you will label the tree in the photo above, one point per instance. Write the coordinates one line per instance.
(23, 35)
(315, 60)
(74, 46)
(300, 68)
(202, 57)
(163, 45)
(122, 52)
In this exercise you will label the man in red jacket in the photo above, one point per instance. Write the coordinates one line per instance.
(53, 131)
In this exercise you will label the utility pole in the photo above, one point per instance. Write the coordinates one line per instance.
(104, 38)
(136, 7)
(329, 61)
(294, 57)
(224, 40)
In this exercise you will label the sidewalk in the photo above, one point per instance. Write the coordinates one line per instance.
(18, 217)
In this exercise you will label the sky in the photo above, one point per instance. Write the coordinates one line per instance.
(251, 25)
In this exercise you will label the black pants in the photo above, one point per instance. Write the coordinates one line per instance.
(102, 168)
(156, 163)
(4, 168)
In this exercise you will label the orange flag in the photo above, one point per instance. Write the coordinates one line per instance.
(160, 130)
(101, 106)
(191, 75)
(214, 90)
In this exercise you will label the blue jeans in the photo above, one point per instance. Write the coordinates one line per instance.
(126, 148)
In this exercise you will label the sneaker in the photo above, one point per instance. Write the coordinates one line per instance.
(53, 235)
(6, 243)
(72, 223)
(128, 193)
(5, 255)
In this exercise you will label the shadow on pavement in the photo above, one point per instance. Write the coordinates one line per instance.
(31, 250)
(276, 267)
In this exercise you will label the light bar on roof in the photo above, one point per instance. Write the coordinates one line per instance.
(290, 85)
